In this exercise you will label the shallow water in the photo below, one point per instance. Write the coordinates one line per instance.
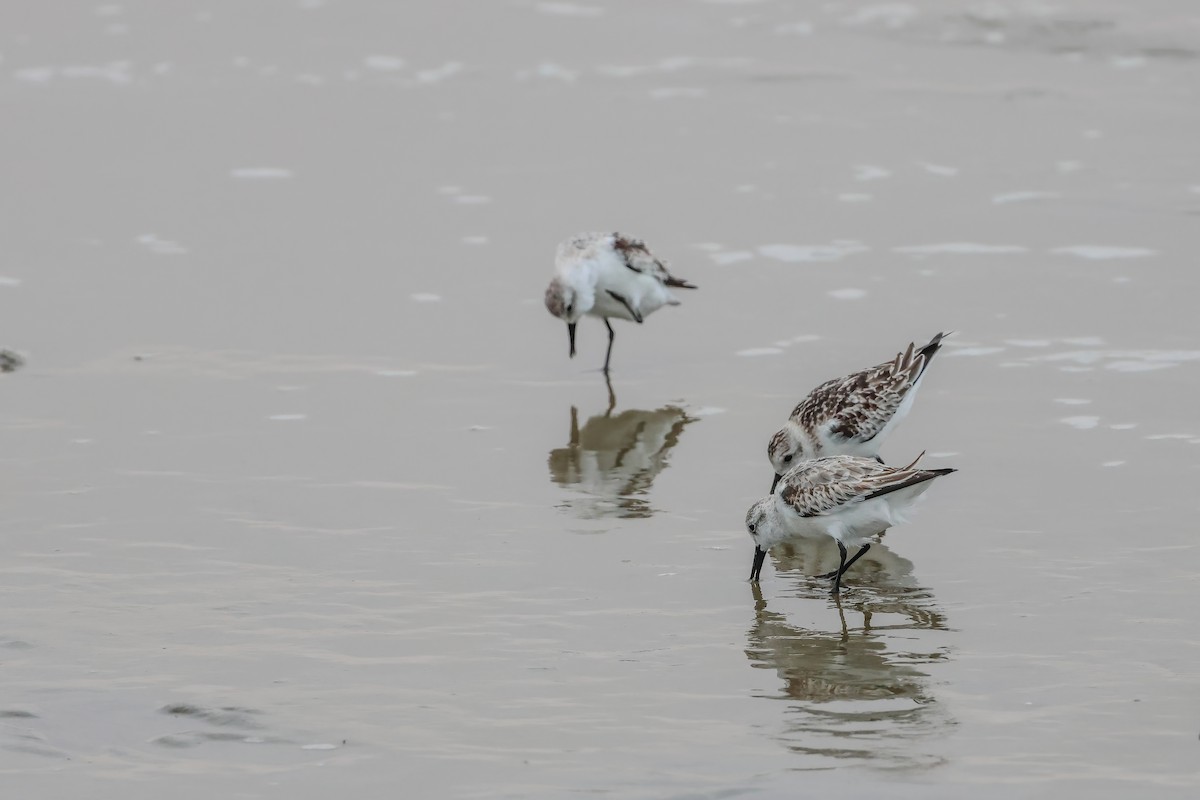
(301, 493)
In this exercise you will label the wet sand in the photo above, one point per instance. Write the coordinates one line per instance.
(302, 494)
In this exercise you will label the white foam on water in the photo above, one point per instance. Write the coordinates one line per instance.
(870, 172)
(395, 373)
(5, 281)
(1112, 464)
(707, 411)
(940, 170)
(426, 297)
(672, 92)
(160, 246)
(287, 417)
(1093, 133)
(1081, 423)
(854, 197)
(959, 249)
(1087, 341)
(115, 72)
(1022, 196)
(799, 253)
(847, 294)
(474, 240)
(1072, 401)
(1163, 436)
(472, 199)
(731, 257)
(794, 28)
(1068, 166)
(549, 71)
(1194, 189)
(382, 63)
(754, 352)
(973, 351)
(1127, 62)
(449, 189)
(438, 74)
(321, 746)
(890, 15)
(943, 454)
(260, 173)
(1123, 426)
(570, 9)
(1097, 252)
(1140, 366)
(1028, 342)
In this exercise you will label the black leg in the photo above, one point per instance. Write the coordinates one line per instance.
(849, 563)
(611, 336)
(612, 396)
(837, 579)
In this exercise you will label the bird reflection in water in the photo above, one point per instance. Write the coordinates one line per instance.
(614, 457)
(10, 361)
(856, 693)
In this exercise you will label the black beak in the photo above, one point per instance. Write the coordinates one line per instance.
(775, 482)
(571, 336)
(760, 556)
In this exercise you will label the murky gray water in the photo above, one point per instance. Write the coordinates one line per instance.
(300, 494)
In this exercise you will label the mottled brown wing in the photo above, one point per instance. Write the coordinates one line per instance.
(826, 485)
(639, 259)
(859, 405)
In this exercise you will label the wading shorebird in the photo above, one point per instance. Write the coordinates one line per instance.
(608, 275)
(848, 498)
(852, 415)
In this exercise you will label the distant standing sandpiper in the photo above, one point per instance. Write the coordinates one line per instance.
(608, 275)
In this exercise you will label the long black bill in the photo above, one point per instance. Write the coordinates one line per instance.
(775, 482)
(760, 556)
(571, 336)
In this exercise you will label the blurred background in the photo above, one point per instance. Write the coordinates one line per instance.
(299, 491)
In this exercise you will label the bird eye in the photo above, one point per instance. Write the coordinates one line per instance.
(752, 526)
(570, 308)
(787, 459)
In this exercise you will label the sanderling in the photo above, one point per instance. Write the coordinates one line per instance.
(852, 415)
(608, 275)
(848, 498)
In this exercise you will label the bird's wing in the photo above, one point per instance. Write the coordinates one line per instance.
(826, 485)
(637, 257)
(858, 406)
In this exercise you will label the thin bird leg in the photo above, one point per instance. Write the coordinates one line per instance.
(837, 579)
(611, 336)
(849, 563)
(612, 396)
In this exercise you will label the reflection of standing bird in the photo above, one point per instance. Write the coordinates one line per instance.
(608, 275)
(847, 498)
(852, 415)
(615, 458)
